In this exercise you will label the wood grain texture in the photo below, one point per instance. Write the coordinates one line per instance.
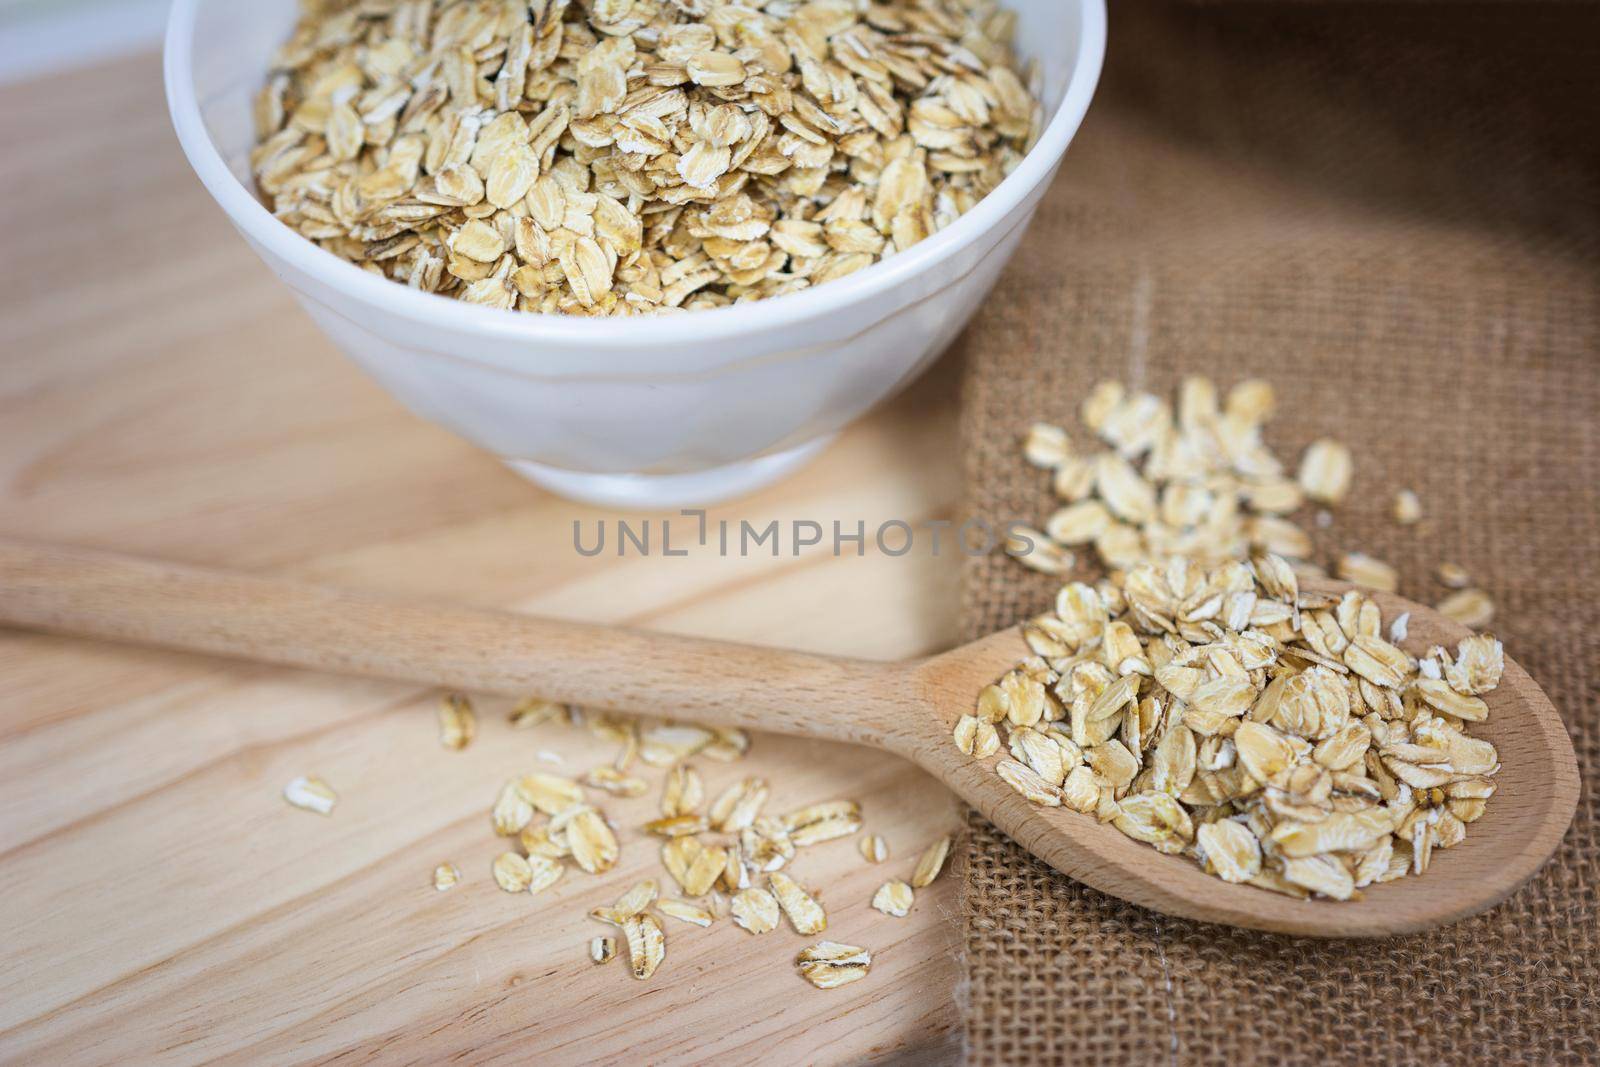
(906, 708)
(147, 602)
(160, 394)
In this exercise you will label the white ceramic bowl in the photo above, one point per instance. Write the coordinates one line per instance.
(647, 412)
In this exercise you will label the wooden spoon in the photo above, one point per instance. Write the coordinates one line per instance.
(908, 709)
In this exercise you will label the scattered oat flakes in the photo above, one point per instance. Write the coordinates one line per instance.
(446, 876)
(457, 723)
(828, 964)
(548, 816)
(893, 898)
(931, 863)
(1197, 480)
(311, 794)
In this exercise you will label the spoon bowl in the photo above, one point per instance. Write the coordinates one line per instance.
(908, 709)
(1535, 798)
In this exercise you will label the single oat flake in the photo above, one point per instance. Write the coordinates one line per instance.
(823, 822)
(804, 913)
(1326, 471)
(893, 898)
(543, 873)
(931, 863)
(1407, 508)
(535, 711)
(1368, 571)
(829, 964)
(512, 812)
(756, 910)
(616, 783)
(311, 794)
(685, 910)
(458, 725)
(446, 876)
(512, 872)
(1469, 607)
(874, 849)
(647, 945)
(594, 846)
(549, 793)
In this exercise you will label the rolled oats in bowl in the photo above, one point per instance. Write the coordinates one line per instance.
(618, 157)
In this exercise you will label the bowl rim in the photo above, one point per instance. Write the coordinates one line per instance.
(712, 324)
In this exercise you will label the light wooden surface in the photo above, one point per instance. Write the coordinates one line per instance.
(905, 708)
(160, 394)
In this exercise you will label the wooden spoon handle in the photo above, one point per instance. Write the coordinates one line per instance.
(119, 598)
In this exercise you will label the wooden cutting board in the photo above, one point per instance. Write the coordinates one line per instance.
(161, 394)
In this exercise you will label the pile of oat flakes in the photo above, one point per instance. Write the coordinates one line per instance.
(615, 157)
(1198, 698)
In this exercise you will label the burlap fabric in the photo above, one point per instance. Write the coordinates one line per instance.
(1391, 212)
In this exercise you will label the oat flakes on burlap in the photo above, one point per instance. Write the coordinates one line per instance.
(1392, 213)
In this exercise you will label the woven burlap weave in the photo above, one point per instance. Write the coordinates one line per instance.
(1390, 212)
